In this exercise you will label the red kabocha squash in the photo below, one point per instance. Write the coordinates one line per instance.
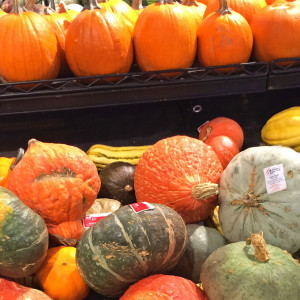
(59, 277)
(276, 31)
(164, 287)
(59, 182)
(182, 173)
(10, 290)
(224, 37)
(37, 54)
(222, 126)
(165, 37)
(247, 8)
(98, 43)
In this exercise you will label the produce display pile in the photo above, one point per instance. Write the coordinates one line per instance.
(107, 37)
(183, 218)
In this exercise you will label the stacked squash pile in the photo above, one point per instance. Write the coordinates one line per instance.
(156, 239)
(108, 36)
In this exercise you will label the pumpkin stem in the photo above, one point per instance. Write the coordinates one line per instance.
(92, 4)
(31, 141)
(52, 5)
(260, 246)
(223, 9)
(128, 188)
(165, 1)
(20, 154)
(208, 130)
(30, 4)
(17, 7)
(190, 3)
(137, 4)
(203, 191)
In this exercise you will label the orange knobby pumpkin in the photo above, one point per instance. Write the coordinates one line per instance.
(224, 37)
(165, 37)
(59, 182)
(276, 31)
(98, 42)
(59, 277)
(182, 173)
(247, 8)
(29, 47)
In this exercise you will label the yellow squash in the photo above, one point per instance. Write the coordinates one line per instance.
(283, 129)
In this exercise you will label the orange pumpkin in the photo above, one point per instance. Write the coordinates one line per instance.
(182, 173)
(247, 8)
(122, 9)
(60, 183)
(196, 8)
(60, 23)
(29, 47)
(165, 37)
(98, 43)
(276, 31)
(224, 37)
(59, 277)
(5, 170)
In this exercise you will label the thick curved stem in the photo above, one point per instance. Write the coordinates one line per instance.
(260, 246)
(91, 4)
(203, 191)
(20, 155)
(224, 9)
(137, 4)
(17, 7)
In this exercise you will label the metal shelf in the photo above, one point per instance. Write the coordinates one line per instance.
(134, 87)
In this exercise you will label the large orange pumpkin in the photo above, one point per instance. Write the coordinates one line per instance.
(60, 183)
(98, 43)
(276, 31)
(60, 23)
(181, 172)
(122, 9)
(29, 47)
(59, 277)
(247, 8)
(165, 37)
(224, 37)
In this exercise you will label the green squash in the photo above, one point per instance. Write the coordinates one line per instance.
(244, 271)
(202, 241)
(127, 246)
(247, 207)
(23, 237)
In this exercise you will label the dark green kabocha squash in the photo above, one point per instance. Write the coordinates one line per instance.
(117, 182)
(126, 246)
(23, 237)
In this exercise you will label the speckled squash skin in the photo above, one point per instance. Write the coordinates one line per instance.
(23, 237)
(202, 241)
(59, 182)
(233, 272)
(245, 205)
(172, 169)
(126, 246)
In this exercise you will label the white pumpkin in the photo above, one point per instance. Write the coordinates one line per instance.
(245, 205)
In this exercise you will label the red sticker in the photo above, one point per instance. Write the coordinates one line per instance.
(141, 206)
(92, 219)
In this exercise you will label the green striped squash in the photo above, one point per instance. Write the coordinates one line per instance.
(127, 246)
(23, 237)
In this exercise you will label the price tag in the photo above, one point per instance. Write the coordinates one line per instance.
(141, 206)
(92, 219)
(275, 180)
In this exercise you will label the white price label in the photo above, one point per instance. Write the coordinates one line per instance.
(275, 180)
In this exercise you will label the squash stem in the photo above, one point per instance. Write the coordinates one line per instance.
(165, 1)
(190, 3)
(20, 155)
(17, 7)
(260, 246)
(223, 9)
(203, 191)
(137, 4)
(91, 4)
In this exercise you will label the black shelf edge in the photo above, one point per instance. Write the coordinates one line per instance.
(132, 88)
